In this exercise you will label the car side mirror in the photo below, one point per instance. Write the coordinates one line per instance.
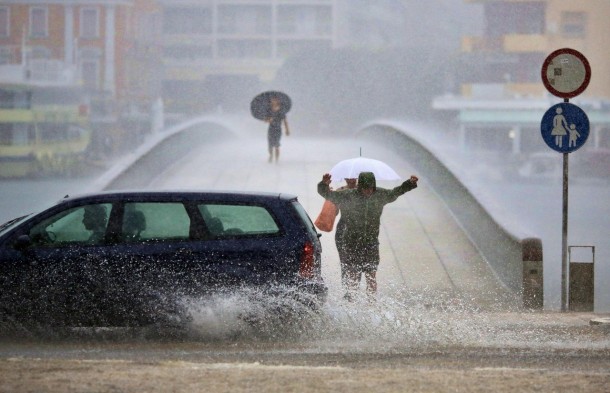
(22, 242)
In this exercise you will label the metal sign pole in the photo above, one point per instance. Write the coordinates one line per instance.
(564, 233)
(564, 238)
(565, 73)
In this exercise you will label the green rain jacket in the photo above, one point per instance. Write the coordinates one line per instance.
(362, 214)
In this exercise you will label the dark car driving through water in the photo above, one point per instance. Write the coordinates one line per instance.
(128, 258)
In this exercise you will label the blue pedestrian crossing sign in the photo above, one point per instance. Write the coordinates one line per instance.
(565, 127)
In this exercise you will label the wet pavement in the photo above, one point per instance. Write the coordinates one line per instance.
(421, 245)
(433, 351)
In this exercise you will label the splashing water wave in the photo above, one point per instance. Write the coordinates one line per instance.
(409, 323)
(406, 322)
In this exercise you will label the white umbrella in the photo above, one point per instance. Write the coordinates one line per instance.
(351, 168)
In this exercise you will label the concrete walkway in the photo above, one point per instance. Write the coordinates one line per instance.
(423, 249)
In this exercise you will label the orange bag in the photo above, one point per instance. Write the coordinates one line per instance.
(326, 218)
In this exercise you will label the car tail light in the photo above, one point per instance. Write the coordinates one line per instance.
(307, 261)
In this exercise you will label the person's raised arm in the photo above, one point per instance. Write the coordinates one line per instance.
(325, 191)
(324, 186)
(406, 186)
(326, 179)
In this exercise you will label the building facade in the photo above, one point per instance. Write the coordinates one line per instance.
(80, 36)
(217, 51)
(501, 96)
(198, 55)
(105, 46)
(108, 48)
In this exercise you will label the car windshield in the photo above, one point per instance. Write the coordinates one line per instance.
(11, 223)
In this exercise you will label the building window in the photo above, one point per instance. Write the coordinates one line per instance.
(90, 60)
(148, 28)
(287, 48)
(244, 49)
(39, 22)
(304, 20)
(89, 23)
(90, 74)
(506, 18)
(5, 19)
(187, 21)
(6, 55)
(244, 20)
(187, 52)
(573, 24)
(39, 53)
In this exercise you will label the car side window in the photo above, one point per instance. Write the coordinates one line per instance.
(79, 225)
(225, 220)
(155, 221)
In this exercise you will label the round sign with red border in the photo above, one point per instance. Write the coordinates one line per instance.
(566, 73)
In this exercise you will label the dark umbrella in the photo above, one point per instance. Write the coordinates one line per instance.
(261, 104)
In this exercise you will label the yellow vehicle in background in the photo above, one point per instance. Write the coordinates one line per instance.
(44, 130)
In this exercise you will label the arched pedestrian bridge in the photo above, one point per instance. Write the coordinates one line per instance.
(435, 239)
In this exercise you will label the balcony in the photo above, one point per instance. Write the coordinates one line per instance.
(525, 43)
(472, 44)
(499, 91)
(42, 72)
(46, 68)
(518, 90)
(199, 70)
(512, 43)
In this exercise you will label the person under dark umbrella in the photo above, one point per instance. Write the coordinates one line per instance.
(361, 210)
(272, 107)
(274, 133)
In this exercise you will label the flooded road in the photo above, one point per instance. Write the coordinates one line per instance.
(348, 348)
(441, 321)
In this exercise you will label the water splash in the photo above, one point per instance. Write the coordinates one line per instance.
(405, 322)
(409, 323)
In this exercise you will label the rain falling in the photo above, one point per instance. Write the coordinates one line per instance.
(234, 97)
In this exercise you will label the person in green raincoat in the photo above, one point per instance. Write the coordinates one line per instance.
(361, 210)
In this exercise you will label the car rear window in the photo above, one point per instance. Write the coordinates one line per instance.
(230, 220)
(305, 218)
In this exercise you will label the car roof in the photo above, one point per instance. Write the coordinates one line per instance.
(179, 195)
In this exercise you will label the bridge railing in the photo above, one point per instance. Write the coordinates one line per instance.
(516, 258)
(153, 156)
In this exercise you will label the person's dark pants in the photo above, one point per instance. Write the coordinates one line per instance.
(341, 249)
(356, 259)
